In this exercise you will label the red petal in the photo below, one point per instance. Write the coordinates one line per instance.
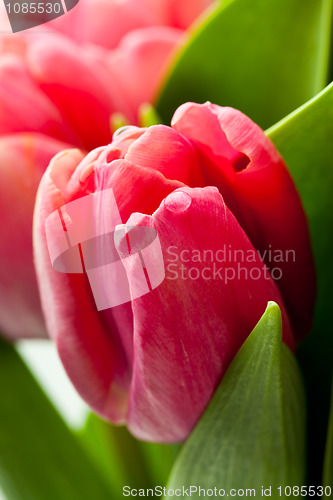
(163, 149)
(261, 194)
(95, 346)
(78, 85)
(96, 366)
(23, 106)
(175, 13)
(187, 331)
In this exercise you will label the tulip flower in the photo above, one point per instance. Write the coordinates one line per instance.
(20, 155)
(223, 205)
(63, 86)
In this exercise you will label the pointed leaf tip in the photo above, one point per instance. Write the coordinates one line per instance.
(253, 431)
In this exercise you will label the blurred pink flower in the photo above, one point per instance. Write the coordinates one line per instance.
(60, 83)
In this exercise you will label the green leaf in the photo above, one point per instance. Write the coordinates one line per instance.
(264, 57)
(305, 140)
(148, 115)
(252, 433)
(40, 458)
(117, 120)
(328, 463)
(125, 460)
(159, 459)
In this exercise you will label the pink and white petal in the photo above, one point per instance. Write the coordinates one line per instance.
(189, 328)
(96, 347)
(135, 189)
(96, 365)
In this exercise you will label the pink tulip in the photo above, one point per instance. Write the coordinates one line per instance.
(101, 58)
(155, 361)
(22, 157)
(106, 22)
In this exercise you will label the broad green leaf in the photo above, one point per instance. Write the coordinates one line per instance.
(40, 458)
(264, 57)
(125, 460)
(252, 433)
(328, 463)
(305, 140)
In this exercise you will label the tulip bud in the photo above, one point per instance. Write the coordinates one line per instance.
(188, 212)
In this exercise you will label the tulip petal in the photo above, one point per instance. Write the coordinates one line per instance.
(197, 122)
(23, 107)
(184, 13)
(95, 346)
(123, 138)
(163, 149)
(252, 188)
(103, 22)
(23, 158)
(139, 62)
(87, 353)
(145, 187)
(80, 87)
(188, 329)
(175, 13)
